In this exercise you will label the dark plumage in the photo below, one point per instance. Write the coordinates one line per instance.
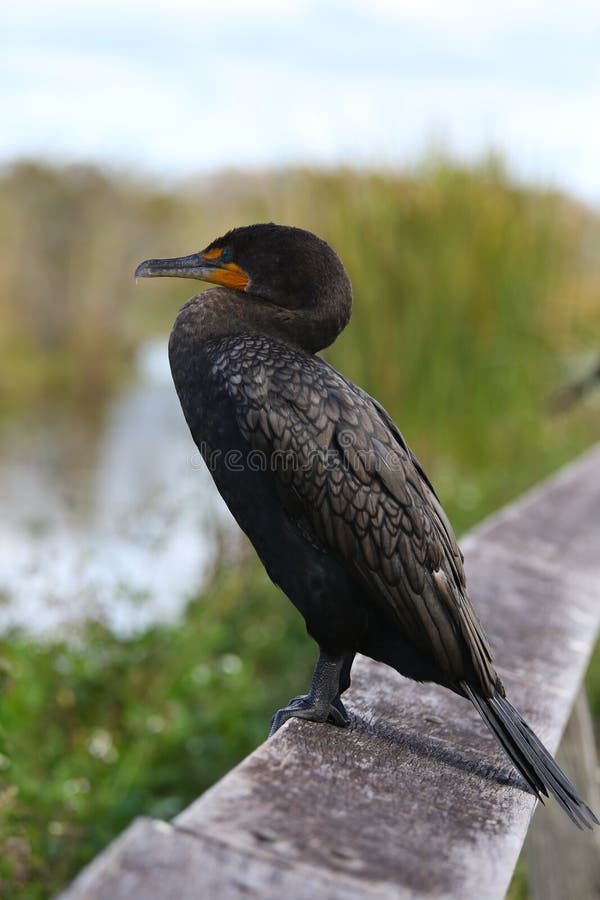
(317, 474)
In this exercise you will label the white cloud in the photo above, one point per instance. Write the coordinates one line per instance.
(32, 13)
(463, 13)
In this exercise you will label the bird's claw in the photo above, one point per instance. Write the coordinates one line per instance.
(304, 707)
(342, 712)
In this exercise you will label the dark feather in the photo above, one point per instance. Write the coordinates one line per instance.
(356, 452)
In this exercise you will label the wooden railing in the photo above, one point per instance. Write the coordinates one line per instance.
(415, 799)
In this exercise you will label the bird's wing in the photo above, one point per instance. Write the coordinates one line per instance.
(344, 468)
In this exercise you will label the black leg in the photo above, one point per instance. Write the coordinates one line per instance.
(345, 682)
(345, 673)
(322, 703)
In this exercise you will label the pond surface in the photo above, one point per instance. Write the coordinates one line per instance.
(120, 522)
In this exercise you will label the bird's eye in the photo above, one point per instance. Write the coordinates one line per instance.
(227, 255)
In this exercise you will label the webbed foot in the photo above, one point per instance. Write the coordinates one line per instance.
(323, 702)
(305, 707)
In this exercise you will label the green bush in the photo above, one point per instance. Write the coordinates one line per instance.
(101, 730)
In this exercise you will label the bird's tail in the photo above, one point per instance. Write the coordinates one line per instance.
(529, 755)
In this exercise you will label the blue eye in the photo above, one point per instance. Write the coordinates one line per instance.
(227, 254)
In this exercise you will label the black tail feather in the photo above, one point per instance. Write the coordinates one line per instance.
(529, 755)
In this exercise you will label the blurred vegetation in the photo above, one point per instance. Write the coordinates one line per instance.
(472, 294)
(104, 729)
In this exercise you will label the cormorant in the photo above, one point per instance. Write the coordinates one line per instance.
(321, 480)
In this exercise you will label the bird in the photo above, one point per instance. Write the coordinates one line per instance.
(321, 480)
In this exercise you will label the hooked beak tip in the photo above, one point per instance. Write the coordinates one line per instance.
(142, 271)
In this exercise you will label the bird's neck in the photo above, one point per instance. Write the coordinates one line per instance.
(221, 313)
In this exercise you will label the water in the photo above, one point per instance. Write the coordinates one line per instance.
(120, 525)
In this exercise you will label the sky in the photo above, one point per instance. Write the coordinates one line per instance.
(179, 87)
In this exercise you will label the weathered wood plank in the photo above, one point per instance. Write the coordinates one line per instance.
(415, 799)
(156, 859)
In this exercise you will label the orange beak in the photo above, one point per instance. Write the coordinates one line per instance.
(204, 267)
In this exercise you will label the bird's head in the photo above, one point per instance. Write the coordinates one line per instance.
(286, 266)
